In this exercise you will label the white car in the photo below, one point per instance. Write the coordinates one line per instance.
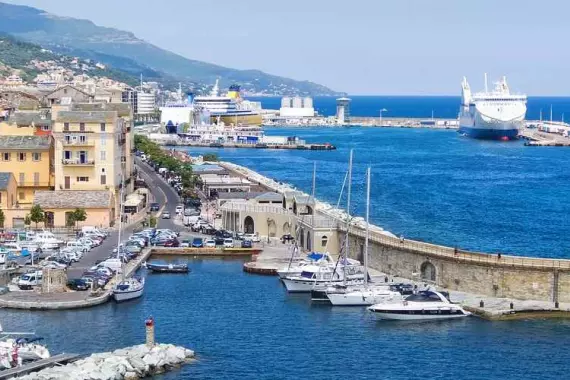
(179, 209)
(228, 243)
(211, 243)
(253, 237)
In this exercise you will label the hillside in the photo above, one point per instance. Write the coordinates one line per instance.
(29, 60)
(124, 51)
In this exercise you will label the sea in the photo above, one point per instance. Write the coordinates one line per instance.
(433, 185)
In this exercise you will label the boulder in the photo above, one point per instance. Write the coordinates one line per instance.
(131, 376)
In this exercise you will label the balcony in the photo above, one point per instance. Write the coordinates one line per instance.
(78, 143)
(122, 140)
(34, 184)
(77, 162)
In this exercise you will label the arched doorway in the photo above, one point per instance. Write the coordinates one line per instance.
(324, 241)
(248, 225)
(286, 228)
(309, 245)
(271, 228)
(428, 271)
(302, 238)
(49, 219)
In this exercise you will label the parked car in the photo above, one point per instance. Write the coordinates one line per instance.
(253, 237)
(186, 243)
(287, 237)
(197, 243)
(172, 243)
(77, 284)
(228, 243)
(166, 215)
(219, 240)
(154, 207)
(246, 244)
(179, 209)
(210, 243)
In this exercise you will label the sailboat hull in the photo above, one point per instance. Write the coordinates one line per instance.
(121, 296)
(363, 298)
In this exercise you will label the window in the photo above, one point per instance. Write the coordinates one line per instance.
(82, 127)
(66, 126)
(45, 127)
(102, 127)
(67, 155)
(103, 140)
(36, 179)
(103, 155)
(36, 156)
(65, 91)
(22, 178)
(82, 179)
(82, 139)
(103, 180)
(324, 241)
(21, 156)
(67, 139)
(21, 195)
(6, 156)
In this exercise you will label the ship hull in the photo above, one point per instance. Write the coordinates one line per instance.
(246, 119)
(490, 134)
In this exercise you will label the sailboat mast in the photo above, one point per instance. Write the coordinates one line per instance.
(365, 259)
(314, 179)
(348, 192)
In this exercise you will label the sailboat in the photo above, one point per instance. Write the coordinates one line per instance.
(345, 272)
(365, 294)
(127, 288)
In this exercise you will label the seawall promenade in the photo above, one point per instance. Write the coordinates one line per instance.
(502, 276)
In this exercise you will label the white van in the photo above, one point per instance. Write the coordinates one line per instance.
(28, 280)
(190, 220)
(86, 230)
(114, 264)
(78, 245)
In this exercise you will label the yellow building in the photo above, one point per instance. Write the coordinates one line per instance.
(90, 150)
(13, 213)
(29, 159)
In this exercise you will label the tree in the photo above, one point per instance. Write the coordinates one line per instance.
(37, 215)
(79, 215)
(213, 157)
(70, 219)
(2, 219)
(152, 221)
(27, 221)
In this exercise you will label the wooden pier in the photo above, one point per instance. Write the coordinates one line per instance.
(38, 365)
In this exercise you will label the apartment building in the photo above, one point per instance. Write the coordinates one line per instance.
(30, 160)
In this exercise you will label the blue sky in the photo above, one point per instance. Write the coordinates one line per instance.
(397, 47)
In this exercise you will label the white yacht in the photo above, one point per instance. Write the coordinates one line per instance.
(314, 276)
(47, 241)
(424, 305)
(495, 115)
(362, 295)
(295, 268)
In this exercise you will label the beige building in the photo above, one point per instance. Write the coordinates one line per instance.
(68, 92)
(91, 150)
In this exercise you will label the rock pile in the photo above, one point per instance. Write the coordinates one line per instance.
(124, 364)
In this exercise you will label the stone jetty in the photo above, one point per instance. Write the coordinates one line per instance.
(130, 363)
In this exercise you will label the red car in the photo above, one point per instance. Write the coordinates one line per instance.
(172, 243)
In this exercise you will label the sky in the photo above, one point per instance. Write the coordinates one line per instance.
(362, 47)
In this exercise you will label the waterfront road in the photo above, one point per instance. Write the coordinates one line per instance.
(163, 194)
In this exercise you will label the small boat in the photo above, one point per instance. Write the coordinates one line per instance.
(422, 306)
(128, 289)
(168, 268)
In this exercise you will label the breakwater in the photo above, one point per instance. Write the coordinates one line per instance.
(503, 276)
(130, 363)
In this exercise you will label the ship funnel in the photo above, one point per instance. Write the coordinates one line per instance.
(190, 97)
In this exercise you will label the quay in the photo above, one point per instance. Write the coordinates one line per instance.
(368, 121)
(39, 365)
(292, 146)
(205, 252)
(494, 286)
(537, 137)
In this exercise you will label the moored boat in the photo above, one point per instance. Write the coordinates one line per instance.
(128, 289)
(167, 268)
(422, 306)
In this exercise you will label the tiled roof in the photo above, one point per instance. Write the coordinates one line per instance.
(73, 199)
(4, 180)
(29, 118)
(269, 196)
(238, 195)
(25, 142)
(123, 109)
(86, 116)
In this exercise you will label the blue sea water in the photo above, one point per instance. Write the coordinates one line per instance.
(435, 185)
(422, 106)
(245, 326)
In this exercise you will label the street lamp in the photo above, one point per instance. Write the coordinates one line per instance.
(382, 110)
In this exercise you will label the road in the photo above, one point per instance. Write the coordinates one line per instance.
(155, 184)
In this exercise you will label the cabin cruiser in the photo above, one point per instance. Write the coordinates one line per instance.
(424, 305)
(314, 276)
(363, 295)
(28, 348)
(314, 258)
(128, 289)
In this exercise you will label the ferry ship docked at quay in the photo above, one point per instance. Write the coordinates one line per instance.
(491, 115)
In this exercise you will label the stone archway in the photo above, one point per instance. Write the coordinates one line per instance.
(428, 271)
(248, 225)
(286, 228)
(309, 243)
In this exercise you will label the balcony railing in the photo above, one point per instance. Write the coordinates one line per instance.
(77, 162)
(122, 140)
(78, 143)
(34, 184)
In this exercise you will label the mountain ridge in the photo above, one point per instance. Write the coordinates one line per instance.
(73, 36)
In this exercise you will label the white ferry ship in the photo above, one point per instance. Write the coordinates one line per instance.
(494, 115)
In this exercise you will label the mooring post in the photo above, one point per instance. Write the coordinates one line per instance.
(149, 323)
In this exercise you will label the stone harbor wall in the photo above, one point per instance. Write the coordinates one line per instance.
(54, 281)
(130, 363)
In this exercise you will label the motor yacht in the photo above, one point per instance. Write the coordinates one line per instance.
(424, 305)
(295, 269)
(314, 276)
(362, 295)
(128, 289)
